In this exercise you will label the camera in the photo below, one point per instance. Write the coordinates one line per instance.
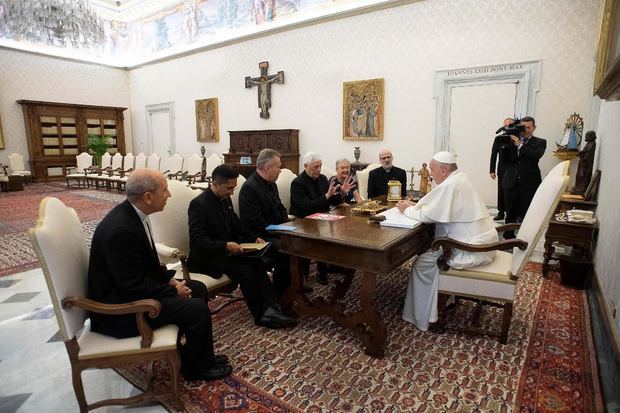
(515, 129)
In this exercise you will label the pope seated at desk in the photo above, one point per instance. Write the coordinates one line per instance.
(458, 212)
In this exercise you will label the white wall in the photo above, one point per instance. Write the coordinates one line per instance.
(34, 77)
(405, 45)
(607, 260)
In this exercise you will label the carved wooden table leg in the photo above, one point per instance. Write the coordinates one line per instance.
(341, 288)
(294, 293)
(375, 339)
(547, 255)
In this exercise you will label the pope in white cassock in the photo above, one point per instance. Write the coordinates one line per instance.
(458, 212)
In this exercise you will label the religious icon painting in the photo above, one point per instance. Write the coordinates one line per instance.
(363, 106)
(207, 122)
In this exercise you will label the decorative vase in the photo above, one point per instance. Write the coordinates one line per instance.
(357, 153)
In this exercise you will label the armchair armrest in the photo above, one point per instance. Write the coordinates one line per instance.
(152, 307)
(507, 227)
(166, 253)
(449, 245)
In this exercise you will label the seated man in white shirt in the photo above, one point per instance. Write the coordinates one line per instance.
(458, 212)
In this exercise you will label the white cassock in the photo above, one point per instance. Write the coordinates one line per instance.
(458, 212)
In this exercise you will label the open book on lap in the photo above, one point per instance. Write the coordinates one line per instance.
(254, 249)
(395, 218)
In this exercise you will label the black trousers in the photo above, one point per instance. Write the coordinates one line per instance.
(518, 200)
(250, 274)
(281, 265)
(193, 318)
(501, 205)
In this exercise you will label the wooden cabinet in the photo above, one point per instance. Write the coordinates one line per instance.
(249, 143)
(57, 132)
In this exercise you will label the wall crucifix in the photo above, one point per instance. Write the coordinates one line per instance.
(264, 87)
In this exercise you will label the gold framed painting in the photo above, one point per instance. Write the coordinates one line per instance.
(1, 136)
(607, 74)
(363, 108)
(207, 120)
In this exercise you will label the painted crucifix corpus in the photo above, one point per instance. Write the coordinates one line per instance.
(264, 87)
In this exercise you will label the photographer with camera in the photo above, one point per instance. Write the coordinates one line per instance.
(522, 174)
(498, 153)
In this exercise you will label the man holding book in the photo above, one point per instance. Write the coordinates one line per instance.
(458, 212)
(215, 237)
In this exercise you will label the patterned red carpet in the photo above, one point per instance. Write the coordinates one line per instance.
(19, 212)
(318, 367)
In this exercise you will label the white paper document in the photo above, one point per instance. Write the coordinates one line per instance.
(395, 218)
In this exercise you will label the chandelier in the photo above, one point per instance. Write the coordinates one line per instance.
(65, 23)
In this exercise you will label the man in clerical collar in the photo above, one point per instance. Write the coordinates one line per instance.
(215, 233)
(260, 206)
(343, 175)
(378, 178)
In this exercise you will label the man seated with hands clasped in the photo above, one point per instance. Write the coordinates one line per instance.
(458, 212)
(215, 234)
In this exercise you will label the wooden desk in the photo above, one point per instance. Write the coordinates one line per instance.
(353, 243)
(569, 233)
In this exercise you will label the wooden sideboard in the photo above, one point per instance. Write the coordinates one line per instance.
(249, 143)
(57, 132)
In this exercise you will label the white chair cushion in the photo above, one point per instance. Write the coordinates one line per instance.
(209, 281)
(362, 179)
(200, 185)
(497, 270)
(95, 345)
(22, 173)
(284, 186)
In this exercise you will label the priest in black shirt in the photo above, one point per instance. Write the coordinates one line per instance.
(260, 206)
(378, 178)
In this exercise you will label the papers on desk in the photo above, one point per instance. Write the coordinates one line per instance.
(280, 228)
(395, 218)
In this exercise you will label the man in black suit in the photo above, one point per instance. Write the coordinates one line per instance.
(522, 176)
(312, 193)
(378, 178)
(260, 206)
(498, 152)
(214, 236)
(124, 267)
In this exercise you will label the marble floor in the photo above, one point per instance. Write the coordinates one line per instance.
(34, 366)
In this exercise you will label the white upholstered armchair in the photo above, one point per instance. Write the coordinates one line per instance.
(16, 163)
(171, 236)
(497, 280)
(59, 242)
(362, 179)
(284, 186)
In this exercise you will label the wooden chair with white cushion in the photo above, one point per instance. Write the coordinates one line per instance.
(117, 169)
(140, 163)
(171, 236)
(152, 162)
(284, 186)
(61, 247)
(497, 280)
(194, 168)
(213, 161)
(4, 177)
(362, 179)
(235, 196)
(327, 171)
(95, 173)
(84, 161)
(16, 163)
(175, 167)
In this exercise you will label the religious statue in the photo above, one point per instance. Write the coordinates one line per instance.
(586, 162)
(425, 185)
(264, 87)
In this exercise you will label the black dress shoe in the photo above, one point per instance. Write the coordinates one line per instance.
(213, 373)
(221, 359)
(321, 278)
(273, 318)
(509, 235)
(499, 216)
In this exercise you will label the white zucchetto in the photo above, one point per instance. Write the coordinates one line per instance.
(445, 157)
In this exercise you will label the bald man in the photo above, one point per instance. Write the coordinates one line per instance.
(458, 212)
(378, 178)
(124, 267)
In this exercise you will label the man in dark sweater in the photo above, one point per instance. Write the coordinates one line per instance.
(378, 178)
(260, 206)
